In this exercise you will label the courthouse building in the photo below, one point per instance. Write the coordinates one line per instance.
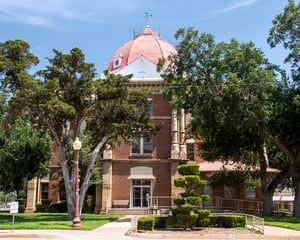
(141, 175)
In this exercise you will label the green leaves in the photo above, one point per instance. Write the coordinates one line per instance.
(24, 155)
(286, 30)
(226, 87)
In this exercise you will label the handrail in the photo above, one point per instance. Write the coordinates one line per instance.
(252, 222)
(218, 203)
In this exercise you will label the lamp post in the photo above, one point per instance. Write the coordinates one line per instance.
(76, 148)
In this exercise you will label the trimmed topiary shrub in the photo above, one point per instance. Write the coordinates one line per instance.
(146, 223)
(190, 198)
(227, 221)
(187, 221)
(179, 201)
(203, 219)
(187, 208)
(172, 222)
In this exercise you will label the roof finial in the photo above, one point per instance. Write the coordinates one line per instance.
(147, 15)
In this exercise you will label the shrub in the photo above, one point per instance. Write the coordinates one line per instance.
(43, 206)
(203, 220)
(172, 222)
(205, 197)
(22, 204)
(227, 221)
(58, 207)
(187, 220)
(21, 208)
(40, 208)
(89, 204)
(194, 200)
(188, 207)
(22, 194)
(188, 169)
(146, 223)
(176, 211)
(178, 201)
(160, 222)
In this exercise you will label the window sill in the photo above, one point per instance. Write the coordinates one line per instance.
(141, 156)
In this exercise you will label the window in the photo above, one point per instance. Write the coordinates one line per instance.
(44, 194)
(250, 193)
(190, 151)
(62, 191)
(117, 62)
(229, 192)
(146, 108)
(142, 144)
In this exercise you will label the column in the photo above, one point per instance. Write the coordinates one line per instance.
(106, 185)
(31, 195)
(175, 145)
(182, 145)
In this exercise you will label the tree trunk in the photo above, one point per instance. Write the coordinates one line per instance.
(69, 184)
(296, 207)
(268, 188)
(268, 203)
(85, 183)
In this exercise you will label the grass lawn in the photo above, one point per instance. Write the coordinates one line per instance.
(53, 221)
(283, 221)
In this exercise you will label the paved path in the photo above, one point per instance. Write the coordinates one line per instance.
(120, 230)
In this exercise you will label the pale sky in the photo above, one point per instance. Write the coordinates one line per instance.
(99, 27)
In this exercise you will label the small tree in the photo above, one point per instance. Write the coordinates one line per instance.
(190, 199)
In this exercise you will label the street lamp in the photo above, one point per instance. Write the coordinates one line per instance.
(76, 148)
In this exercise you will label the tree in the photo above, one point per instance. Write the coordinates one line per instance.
(286, 30)
(234, 97)
(24, 155)
(67, 97)
(190, 199)
(15, 61)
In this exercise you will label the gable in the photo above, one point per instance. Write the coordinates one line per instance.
(142, 69)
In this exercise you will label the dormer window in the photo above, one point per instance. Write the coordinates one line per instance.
(117, 61)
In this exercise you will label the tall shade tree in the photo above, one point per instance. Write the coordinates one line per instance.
(15, 61)
(286, 31)
(233, 96)
(67, 99)
(25, 154)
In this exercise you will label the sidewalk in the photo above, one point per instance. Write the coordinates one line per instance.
(120, 230)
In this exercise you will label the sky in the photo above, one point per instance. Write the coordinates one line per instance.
(99, 28)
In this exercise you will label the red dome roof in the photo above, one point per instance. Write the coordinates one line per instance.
(146, 43)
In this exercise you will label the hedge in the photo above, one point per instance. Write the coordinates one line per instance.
(227, 221)
(146, 223)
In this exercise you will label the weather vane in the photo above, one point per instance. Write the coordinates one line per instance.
(147, 15)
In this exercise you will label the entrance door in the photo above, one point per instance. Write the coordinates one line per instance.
(141, 191)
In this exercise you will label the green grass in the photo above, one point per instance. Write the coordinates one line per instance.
(53, 221)
(283, 221)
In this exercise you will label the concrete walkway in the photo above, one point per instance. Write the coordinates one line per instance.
(121, 230)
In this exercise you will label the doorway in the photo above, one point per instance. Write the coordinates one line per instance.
(141, 193)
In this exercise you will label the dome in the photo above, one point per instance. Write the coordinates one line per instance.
(146, 43)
